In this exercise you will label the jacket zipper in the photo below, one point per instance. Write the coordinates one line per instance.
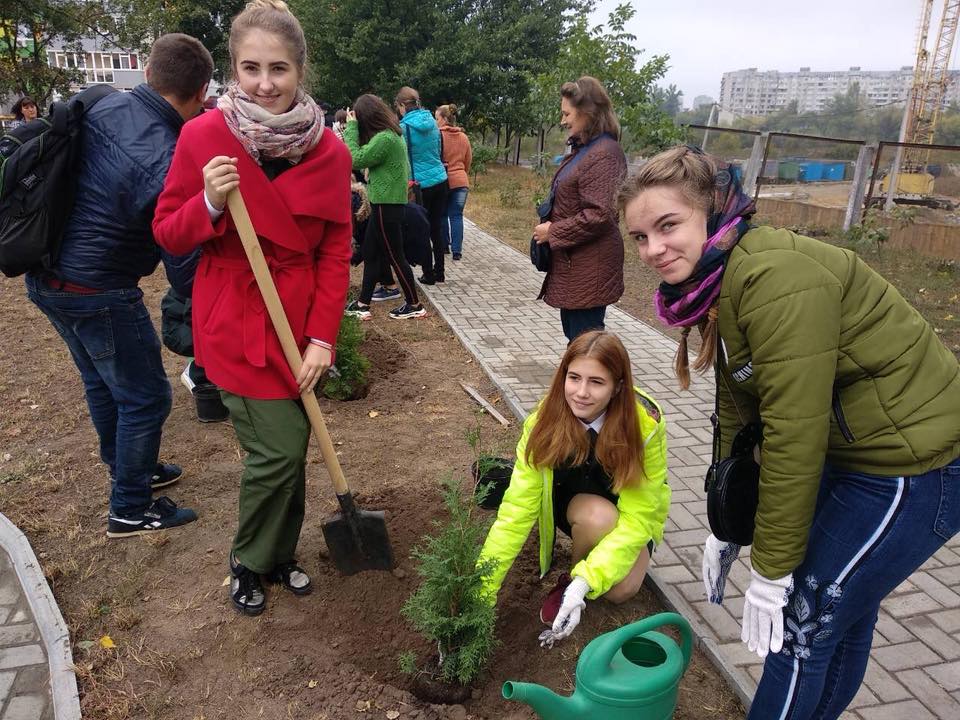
(841, 420)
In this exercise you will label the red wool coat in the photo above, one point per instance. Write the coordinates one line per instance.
(303, 221)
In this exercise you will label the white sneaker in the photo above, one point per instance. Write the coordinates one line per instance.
(185, 378)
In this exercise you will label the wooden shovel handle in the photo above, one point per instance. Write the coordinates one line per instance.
(251, 245)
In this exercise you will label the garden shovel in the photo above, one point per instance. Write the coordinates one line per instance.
(357, 539)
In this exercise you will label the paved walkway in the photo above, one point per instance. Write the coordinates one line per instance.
(36, 680)
(489, 300)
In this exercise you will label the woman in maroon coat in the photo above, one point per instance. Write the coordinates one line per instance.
(583, 230)
(267, 137)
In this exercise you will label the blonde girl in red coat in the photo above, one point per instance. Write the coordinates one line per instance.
(266, 137)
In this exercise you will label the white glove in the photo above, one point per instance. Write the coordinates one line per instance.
(718, 556)
(568, 617)
(763, 613)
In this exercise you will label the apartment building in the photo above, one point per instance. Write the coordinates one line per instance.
(100, 63)
(753, 92)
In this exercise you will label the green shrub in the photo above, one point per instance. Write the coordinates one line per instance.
(510, 194)
(483, 155)
(350, 380)
(449, 608)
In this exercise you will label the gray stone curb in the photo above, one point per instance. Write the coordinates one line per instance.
(49, 620)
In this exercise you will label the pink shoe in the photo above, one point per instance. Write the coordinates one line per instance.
(551, 604)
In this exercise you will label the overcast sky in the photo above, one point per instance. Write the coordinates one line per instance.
(706, 38)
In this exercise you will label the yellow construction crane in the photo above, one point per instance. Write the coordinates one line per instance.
(931, 77)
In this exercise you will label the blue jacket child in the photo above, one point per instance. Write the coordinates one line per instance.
(422, 136)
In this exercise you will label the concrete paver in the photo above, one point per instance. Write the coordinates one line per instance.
(489, 300)
(22, 657)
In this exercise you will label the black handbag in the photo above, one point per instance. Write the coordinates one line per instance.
(732, 484)
(540, 252)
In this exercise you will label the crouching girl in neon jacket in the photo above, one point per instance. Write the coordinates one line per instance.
(592, 461)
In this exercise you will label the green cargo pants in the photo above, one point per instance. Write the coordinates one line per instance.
(274, 434)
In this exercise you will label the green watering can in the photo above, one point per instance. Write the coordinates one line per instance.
(627, 674)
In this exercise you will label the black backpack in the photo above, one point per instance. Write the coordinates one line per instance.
(38, 170)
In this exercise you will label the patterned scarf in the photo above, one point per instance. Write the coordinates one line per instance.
(688, 302)
(289, 135)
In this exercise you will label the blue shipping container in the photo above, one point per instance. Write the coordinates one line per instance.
(833, 171)
(811, 171)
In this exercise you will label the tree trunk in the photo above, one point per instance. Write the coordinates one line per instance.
(517, 157)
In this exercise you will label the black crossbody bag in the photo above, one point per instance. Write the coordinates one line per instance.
(732, 484)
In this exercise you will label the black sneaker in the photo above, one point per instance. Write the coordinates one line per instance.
(161, 515)
(457, 256)
(407, 311)
(439, 277)
(292, 577)
(246, 590)
(210, 407)
(381, 294)
(426, 279)
(165, 475)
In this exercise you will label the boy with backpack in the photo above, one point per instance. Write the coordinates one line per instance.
(89, 290)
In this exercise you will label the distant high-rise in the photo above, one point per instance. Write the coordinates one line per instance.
(750, 92)
(700, 100)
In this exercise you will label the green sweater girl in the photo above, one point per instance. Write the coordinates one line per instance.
(373, 137)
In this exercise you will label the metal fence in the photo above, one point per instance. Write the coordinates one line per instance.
(836, 183)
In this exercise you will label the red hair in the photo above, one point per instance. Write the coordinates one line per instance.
(558, 436)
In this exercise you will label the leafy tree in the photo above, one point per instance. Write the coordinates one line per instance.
(140, 22)
(610, 54)
(28, 30)
(474, 53)
(669, 100)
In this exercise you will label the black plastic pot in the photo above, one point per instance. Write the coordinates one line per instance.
(494, 477)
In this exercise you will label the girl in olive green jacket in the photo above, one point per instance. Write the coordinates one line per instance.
(860, 407)
(373, 136)
(592, 461)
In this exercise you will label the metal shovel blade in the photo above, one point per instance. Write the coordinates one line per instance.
(357, 539)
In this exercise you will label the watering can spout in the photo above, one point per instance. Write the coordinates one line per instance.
(545, 702)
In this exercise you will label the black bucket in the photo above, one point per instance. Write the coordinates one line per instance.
(492, 482)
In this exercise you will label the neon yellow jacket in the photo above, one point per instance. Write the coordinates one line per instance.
(642, 506)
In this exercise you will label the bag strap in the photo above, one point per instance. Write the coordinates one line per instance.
(413, 174)
(575, 159)
(715, 418)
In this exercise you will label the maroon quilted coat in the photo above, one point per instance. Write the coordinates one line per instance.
(586, 268)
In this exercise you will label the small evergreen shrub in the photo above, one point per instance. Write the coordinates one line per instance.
(350, 380)
(448, 608)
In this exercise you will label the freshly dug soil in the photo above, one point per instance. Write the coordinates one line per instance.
(181, 652)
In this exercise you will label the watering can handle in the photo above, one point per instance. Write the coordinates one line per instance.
(611, 643)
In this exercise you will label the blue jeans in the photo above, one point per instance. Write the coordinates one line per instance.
(869, 534)
(579, 321)
(453, 227)
(117, 351)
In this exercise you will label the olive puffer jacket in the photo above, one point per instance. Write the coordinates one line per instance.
(586, 268)
(642, 505)
(838, 367)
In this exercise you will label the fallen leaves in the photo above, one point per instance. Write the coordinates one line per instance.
(106, 642)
